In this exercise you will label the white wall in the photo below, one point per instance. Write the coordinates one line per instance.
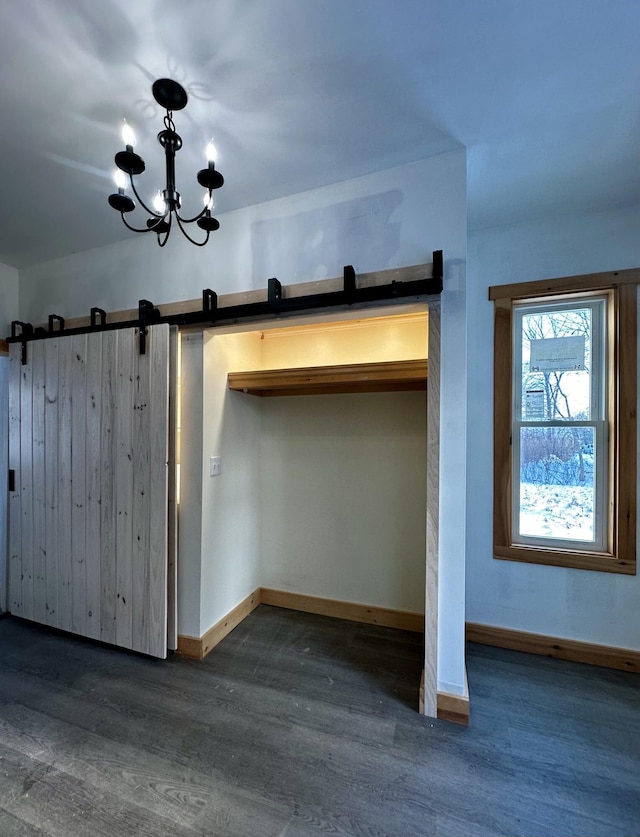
(4, 429)
(384, 220)
(343, 487)
(8, 312)
(9, 308)
(230, 500)
(389, 219)
(219, 517)
(190, 507)
(575, 604)
(377, 339)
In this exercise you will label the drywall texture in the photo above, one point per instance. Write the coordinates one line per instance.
(575, 604)
(389, 219)
(190, 505)
(8, 312)
(231, 499)
(343, 488)
(4, 423)
(9, 309)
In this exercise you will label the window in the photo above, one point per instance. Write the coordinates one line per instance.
(559, 433)
(565, 423)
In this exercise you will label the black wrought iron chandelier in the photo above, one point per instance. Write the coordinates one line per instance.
(167, 204)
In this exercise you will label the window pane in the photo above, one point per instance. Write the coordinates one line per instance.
(556, 365)
(557, 492)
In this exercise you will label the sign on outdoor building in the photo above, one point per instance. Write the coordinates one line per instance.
(558, 354)
(534, 404)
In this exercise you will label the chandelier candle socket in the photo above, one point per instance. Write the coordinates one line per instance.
(166, 205)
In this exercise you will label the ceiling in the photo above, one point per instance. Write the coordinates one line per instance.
(301, 93)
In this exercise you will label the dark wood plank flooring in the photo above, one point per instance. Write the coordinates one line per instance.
(302, 725)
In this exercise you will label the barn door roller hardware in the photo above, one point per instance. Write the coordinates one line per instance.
(147, 315)
(275, 305)
(22, 332)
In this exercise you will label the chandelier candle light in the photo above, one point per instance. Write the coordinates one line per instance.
(171, 96)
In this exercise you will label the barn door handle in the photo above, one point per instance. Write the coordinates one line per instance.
(12, 480)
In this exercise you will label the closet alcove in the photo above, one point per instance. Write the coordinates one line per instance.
(322, 493)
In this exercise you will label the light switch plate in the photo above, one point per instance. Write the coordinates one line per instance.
(215, 466)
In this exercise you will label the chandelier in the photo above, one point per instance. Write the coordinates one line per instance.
(167, 203)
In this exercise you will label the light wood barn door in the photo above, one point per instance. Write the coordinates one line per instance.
(88, 442)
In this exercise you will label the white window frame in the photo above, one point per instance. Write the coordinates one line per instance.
(599, 411)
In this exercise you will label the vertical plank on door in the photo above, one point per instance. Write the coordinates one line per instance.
(26, 480)
(159, 464)
(65, 365)
(108, 578)
(51, 450)
(172, 476)
(37, 349)
(430, 689)
(124, 484)
(83, 414)
(14, 604)
(93, 486)
(141, 501)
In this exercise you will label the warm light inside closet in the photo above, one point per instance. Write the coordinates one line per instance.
(325, 494)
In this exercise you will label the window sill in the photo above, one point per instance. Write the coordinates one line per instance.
(597, 561)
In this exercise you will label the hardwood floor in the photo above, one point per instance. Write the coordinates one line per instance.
(302, 725)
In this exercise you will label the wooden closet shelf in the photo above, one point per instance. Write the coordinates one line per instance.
(390, 376)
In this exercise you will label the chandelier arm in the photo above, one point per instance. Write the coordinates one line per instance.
(186, 234)
(191, 220)
(166, 235)
(135, 229)
(142, 203)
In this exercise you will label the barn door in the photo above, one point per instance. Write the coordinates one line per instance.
(88, 431)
